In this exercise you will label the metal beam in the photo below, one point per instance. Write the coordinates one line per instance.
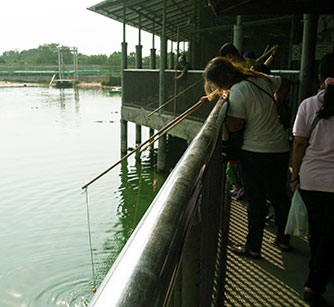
(246, 23)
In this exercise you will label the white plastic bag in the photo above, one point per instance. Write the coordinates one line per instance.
(297, 224)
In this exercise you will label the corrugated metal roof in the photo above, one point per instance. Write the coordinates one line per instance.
(185, 14)
(264, 7)
(180, 13)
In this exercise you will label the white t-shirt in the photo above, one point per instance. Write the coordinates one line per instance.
(264, 132)
(317, 168)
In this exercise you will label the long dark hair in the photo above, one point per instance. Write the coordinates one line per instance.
(326, 69)
(223, 73)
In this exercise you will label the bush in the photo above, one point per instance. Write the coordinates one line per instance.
(112, 80)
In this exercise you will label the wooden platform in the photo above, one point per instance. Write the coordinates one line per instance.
(275, 280)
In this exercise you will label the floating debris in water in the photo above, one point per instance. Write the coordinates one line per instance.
(155, 183)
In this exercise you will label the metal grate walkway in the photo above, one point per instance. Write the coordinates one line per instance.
(275, 280)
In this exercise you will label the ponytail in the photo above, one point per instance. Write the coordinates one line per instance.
(327, 109)
(326, 72)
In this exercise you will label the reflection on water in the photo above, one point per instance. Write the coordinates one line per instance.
(53, 142)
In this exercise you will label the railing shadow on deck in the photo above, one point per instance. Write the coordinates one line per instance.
(176, 255)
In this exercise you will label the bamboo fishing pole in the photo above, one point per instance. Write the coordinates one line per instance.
(180, 119)
(266, 53)
(167, 127)
(171, 99)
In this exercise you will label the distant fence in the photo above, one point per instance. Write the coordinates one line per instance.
(44, 73)
(21, 67)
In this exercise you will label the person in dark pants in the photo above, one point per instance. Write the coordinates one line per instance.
(265, 149)
(313, 174)
(265, 177)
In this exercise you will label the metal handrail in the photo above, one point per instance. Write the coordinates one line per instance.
(144, 272)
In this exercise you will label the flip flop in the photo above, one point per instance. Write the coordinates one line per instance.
(242, 250)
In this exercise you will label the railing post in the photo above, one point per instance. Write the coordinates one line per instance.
(211, 214)
(191, 268)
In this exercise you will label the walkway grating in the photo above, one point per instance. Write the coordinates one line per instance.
(275, 280)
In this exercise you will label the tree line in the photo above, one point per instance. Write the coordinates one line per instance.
(47, 54)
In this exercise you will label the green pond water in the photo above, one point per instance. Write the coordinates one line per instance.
(54, 141)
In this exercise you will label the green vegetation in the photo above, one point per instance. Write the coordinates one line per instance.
(48, 55)
(112, 80)
(43, 61)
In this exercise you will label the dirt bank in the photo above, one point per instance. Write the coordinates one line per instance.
(31, 84)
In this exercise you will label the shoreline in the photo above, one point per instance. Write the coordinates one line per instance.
(39, 84)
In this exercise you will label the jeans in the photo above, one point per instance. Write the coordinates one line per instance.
(265, 177)
(320, 208)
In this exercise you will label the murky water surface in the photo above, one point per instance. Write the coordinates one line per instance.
(52, 142)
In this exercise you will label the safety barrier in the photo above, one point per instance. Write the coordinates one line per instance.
(176, 255)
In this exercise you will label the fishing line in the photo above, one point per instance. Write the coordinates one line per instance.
(137, 201)
(90, 242)
(161, 132)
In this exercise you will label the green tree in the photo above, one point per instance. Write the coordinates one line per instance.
(12, 57)
(46, 54)
(115, 61)
(132, 60)
(100, 59)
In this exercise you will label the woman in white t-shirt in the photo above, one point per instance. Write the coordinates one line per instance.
(313, 174)
(264, 155)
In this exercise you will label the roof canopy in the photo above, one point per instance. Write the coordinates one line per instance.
(184, 14)
(264, 7)
(147, 15)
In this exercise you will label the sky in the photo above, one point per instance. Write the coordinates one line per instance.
(26, 24)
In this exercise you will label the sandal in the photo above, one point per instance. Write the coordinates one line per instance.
(242, 250)
(281, 246)
(311, 297)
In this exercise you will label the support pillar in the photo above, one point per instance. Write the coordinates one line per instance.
(124, 136)
(162, 90)
(153, 58)
(161, 163)
(171, 56)
(153, 65)
(139, 65)
(138, 134)
(171, 60)
(308, 54)
(124, 55)
(139, 58)
(238, 34)
(124, 123)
